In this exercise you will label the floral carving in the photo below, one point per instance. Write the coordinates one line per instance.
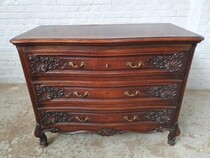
(171, 63)
(109, 132)
(50, 118)
(159, 129)
(160, 117)
(53, 130)
(164, 92)
(45, 93)
(43, 64)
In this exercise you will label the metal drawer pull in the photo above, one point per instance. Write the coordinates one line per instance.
(132, 119)
(135, 66)
(77, 66)
(81, 96)
(81, 120)
(132, 95)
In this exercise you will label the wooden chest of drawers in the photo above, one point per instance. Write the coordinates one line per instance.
(106, 79)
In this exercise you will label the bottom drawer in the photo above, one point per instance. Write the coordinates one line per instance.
(52, 117)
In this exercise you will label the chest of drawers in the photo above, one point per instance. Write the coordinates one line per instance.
(106, 79)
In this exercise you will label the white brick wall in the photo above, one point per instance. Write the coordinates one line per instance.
(18, 16)
(200, 73)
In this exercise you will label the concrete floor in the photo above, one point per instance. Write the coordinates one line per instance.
(17, 126)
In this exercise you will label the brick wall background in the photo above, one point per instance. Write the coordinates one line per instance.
(18, 16)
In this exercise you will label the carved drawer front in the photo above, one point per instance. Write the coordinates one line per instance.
(161, 116)
(51, 93)
(142, 64)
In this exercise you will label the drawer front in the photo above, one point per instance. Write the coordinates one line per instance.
(52, 117)
(55, 65)
(71, 96)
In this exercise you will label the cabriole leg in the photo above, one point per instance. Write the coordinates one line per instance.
(43, 140)
(174, 132)
(39, 132)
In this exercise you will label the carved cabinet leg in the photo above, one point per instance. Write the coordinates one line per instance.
(39, 132)
(174, 132)
(43, 140)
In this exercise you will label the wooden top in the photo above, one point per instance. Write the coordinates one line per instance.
(109, 33)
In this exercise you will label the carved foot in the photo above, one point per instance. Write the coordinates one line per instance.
(39, 132)
(43, 140)
(174, 132)
(172, 141)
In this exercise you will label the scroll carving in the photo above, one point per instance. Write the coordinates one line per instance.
(160, 117)
(171, 63)
(43, 64)
(164, 92)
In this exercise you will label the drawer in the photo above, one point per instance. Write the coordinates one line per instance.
(46, 93)
(52, 117)
(147, 64)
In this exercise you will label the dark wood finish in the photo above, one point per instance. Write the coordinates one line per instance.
(51, 64)
(49, 93)
(52, 117)
(107, 34)
(106, 79)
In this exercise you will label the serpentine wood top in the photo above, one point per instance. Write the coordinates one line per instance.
(108, 33)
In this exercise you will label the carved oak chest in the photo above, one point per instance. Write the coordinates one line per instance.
(106, 79)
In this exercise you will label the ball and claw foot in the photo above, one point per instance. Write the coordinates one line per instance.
(174, 132)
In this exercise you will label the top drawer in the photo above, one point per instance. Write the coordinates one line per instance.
(111, 61)
(41, 65)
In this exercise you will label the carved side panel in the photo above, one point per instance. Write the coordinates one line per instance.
(171, 63)
(43, 64)
(160, 117)
(163, 92)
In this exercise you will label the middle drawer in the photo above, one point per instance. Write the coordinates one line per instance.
(146, 92)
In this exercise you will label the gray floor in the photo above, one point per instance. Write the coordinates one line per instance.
(17, 126)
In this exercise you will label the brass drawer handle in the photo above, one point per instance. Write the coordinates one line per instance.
(135, 66)
(81, 96)
(82, 120)
(132, 119)
(77, 66)
(132, 95)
